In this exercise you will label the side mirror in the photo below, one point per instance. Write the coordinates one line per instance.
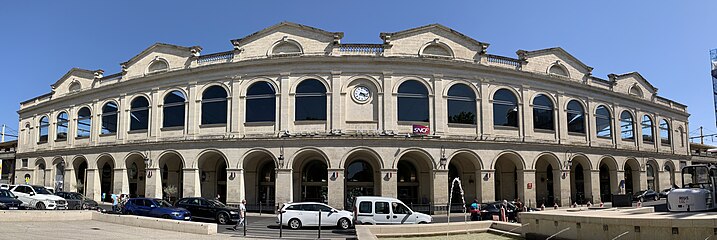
(152, 206)
(334, 211)
(15, 196)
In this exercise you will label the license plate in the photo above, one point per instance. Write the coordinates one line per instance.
(13, 208)
(186, 218)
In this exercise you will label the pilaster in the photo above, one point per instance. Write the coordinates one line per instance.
(336, 187)
(235, 186)
(389, 183)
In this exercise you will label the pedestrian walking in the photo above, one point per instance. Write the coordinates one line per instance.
(115, 202)
(242, 215)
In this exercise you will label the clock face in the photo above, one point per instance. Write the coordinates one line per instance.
(361, 94)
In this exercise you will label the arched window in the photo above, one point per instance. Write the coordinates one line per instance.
(158, 66)
(602, 122)
(109, 118)
(285, 48)
(412, 102)
(173, 109)
(461, 104)
(505, 108)
(214, 105)
(310, 101)
(627, 131)
(647, 135)
(576, 117)
(62, 124)
(261, 102)
(139, 114)
(636, 91)
(558, 70)
(543, 117)
(44, 129)
(436, 50)
(664, 132)
(75, 87)
(84, 122)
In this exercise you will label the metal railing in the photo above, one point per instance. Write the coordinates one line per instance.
(361, 49)
(216, 57)
(503, 60)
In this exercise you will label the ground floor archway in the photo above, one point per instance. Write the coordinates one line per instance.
(106, 166)
(466, 167)
(580, 180)
(136, 172)
(80, 168)
(414, 183)
(508, 183)
(171, 170)
(607, 179)
(632, 176)
(213, 175)
(547, 180)
(260, 179)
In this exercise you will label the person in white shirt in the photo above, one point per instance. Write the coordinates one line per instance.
(242, 215)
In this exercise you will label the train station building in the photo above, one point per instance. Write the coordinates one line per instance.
(291, 113)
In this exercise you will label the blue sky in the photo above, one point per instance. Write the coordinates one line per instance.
(667, 42)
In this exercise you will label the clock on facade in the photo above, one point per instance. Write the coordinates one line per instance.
(361, 94)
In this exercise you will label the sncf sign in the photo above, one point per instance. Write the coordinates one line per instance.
(420, 129)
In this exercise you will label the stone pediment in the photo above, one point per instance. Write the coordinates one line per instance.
(554, 61)
(76, 79)
(287, 38)
(427, 41)
(160, 57)
(633, 83)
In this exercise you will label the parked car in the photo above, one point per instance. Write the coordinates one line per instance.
(77, 201)
(491, 211)
(38, 197)
(385, 210)
(9, 201)
(297, 215)
(209, 209)
(664, 192)
(645, 195)
(4, 186)
(152, 207)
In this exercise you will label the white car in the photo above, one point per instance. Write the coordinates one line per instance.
(4, 186)
(297, 215)
(38, 197)
(385, 210)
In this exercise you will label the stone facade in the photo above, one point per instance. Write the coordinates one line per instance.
(291, 159)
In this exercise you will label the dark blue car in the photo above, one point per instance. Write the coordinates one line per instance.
(152, 207)
(8, 201)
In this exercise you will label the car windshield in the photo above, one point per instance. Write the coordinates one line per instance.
(6, 193)
(42, 190)
(163, 203)
(217, 203)
(639, 193)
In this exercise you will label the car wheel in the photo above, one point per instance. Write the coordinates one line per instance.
(294, 224)
(223, 218)
(84, 206)
(344, 223)
(422, 223)
(40, 206)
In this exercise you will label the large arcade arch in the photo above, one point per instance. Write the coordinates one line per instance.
(508, 181)
(171, 167)
(213, 175)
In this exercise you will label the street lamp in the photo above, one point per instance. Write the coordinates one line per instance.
(281, 156)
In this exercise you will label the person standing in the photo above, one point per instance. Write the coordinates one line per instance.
(115, 202)
(242, 215)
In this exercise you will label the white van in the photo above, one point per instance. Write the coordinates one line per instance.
(385, 210)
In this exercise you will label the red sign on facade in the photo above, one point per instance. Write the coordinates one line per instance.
(530, 185)
(420, 129)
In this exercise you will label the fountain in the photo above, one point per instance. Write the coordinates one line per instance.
(450, 198)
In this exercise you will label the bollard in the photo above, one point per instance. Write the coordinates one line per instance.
(259, 208)
(542, 207)
(281, 222)
(639, 203)
(245, 220)
(319, 224)
(575, 204)
(589, 204)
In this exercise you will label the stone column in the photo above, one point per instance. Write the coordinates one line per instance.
(615, 182)
(92, 185)
(235, 186)
(153, 183)
(336, 187)
(440, 188)
(524, 178)
(191, 186)
(487, 185)
(70, 180)
(562, 191)
(478, 186)
(595, 187)
(284, 186)
(643, 179)
(120, 181)
(388, 183)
